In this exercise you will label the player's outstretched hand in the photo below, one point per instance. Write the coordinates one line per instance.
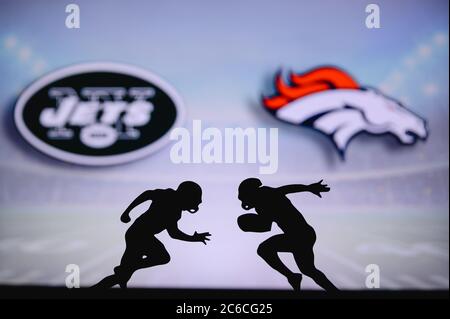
(203, 237)
(125, 218)
(318, 188)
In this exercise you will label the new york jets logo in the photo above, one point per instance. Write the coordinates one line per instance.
(98, 113)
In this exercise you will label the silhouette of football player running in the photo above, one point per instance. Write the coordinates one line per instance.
(143, 249)
(272, 205)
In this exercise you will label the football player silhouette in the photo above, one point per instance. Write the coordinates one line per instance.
(272, 205)
(143, 249)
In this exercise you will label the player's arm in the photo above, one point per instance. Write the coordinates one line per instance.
(176, 233)
(315, 188)
(294, 188)
(254, 223)
(145, 196)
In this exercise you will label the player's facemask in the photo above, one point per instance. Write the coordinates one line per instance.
(191, 206)
(246, 200)
(193, 210)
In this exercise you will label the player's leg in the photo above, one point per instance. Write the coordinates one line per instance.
(269, 249)
(137, 256)
(304, 257)
(122, 273)
(154, 254)
(107, 282)
(128, 265)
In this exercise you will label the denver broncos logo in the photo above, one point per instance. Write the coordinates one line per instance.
(332, 102)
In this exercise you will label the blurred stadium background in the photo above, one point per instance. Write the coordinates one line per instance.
(388, 203)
